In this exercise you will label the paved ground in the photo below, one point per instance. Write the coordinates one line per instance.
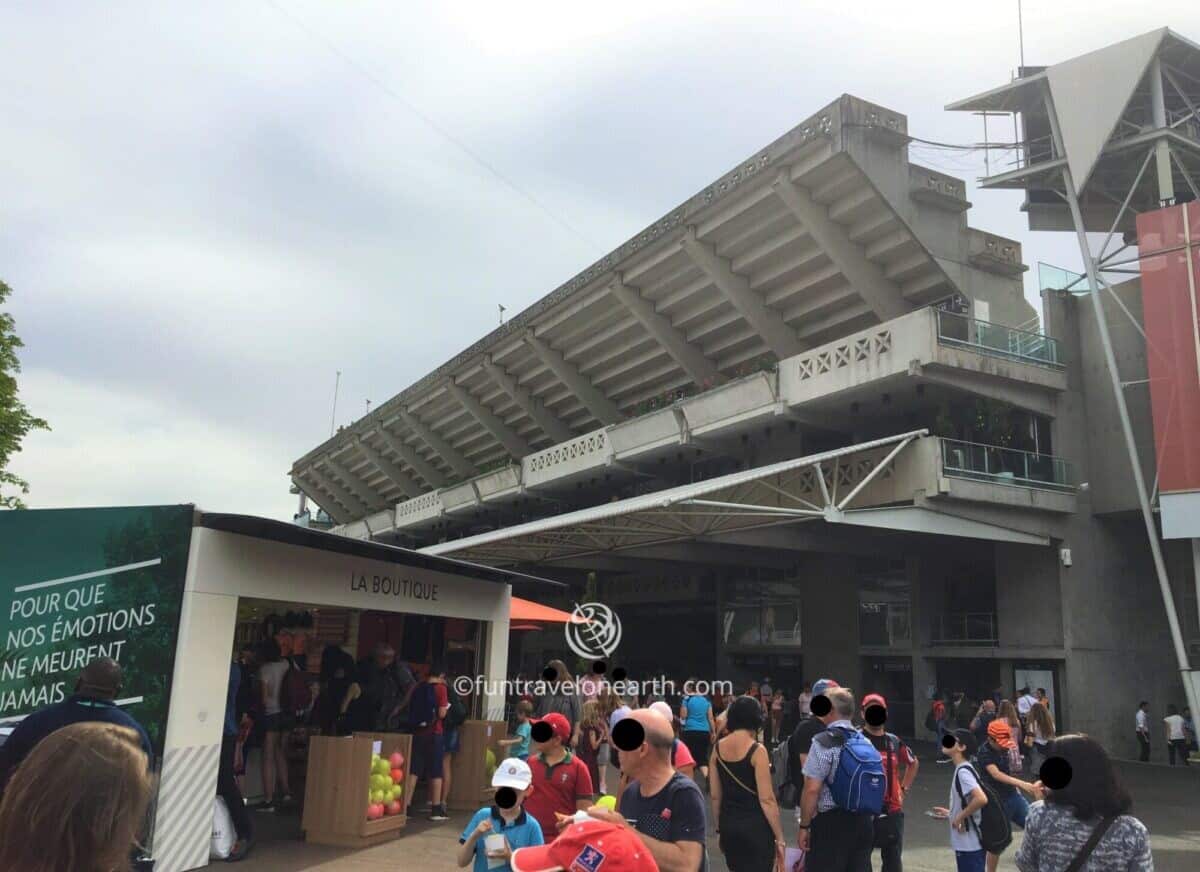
(1167, 800)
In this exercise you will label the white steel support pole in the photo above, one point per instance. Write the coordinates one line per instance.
(1162, 149)
(1139, 481)
(1196, 576)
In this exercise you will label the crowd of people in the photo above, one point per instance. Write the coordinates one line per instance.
(593, 774)
(824, 755)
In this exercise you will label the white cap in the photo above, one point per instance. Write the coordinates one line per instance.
(618, 715)
(512, 773)
(663, 709)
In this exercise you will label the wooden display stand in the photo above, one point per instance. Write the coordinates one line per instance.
(470, 786)
(339, 772)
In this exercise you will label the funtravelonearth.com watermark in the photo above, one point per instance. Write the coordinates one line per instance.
(628, 688)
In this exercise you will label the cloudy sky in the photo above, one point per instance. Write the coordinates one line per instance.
(206, 211)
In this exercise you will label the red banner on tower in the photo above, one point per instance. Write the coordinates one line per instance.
(1169, 244)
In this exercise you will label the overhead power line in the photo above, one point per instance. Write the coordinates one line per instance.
(431, 123)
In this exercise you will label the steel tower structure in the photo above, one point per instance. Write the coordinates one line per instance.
(1091, 128)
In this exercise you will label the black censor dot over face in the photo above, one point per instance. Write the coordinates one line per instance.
(820, 706)
(541, 732)
(549, 674)
(506, 797)
(599, 667)
(948, 741)
(619, 674)
(1055, 773)
(876, 715)
(628, 735)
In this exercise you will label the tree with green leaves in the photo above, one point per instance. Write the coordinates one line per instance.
(15, 418)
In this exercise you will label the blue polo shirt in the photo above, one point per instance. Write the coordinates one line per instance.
(524, 832)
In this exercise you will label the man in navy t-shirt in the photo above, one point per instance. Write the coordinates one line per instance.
(666, 808)
(97, 687)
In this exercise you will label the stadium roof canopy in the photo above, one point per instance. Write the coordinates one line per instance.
(792, 247)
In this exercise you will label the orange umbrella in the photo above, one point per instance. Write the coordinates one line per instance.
(527, 610)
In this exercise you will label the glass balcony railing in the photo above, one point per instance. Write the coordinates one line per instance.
(1006, 466)
(965, 628)
(988, 338)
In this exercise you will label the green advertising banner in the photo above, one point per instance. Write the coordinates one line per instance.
(76, 584)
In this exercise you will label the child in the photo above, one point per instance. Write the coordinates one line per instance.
(959, 745)
(591, 734)
(520, 744)
(561, 781)
(776, 717)
(496, 831)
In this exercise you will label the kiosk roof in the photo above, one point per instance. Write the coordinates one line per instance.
(293, 534)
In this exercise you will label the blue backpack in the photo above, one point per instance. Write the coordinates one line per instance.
(857, 784)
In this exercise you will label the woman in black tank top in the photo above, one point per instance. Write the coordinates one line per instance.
(743, 800)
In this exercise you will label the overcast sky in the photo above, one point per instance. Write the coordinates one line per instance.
(206, 211)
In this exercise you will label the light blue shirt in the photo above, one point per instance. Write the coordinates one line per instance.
(698, 708)
(524, 832)
(521, 749)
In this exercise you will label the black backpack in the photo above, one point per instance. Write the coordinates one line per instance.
(995, 832)
(456, 714)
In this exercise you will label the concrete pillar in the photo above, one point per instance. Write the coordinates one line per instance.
(830, 622)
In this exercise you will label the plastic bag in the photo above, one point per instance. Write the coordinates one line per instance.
(793, 860)
(223, 833)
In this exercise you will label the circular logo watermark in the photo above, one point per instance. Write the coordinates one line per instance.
(594, 631)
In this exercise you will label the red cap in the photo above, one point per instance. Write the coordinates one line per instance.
(873, 699)
(591, 846)
(557, 722)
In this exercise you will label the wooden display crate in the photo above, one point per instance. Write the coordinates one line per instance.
(339, 772)
(470, 786)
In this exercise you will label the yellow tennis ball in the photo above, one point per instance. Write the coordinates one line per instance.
(608, 802)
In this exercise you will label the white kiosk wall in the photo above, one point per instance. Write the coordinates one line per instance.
(225, 566)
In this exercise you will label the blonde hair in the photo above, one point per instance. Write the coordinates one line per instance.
(589, 715)
(1008, 712)
(563, 675)
(1042, 720)
(77, 802)
(608, 700)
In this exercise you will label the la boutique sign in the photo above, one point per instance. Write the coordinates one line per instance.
(401, 588)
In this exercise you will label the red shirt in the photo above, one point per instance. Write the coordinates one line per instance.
(892, 750)
(557, 788)
(440, 701)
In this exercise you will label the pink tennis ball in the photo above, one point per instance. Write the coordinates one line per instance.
(396, 760)
(393, 807)
(374, 811)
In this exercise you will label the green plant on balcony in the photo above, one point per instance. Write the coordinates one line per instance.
(762, 363)
(666, 399)
(493, 465)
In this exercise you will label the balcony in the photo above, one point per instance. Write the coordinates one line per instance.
(965, 628)
(997, 340)
(1006, 466)
(928, 345)
(567, 462)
